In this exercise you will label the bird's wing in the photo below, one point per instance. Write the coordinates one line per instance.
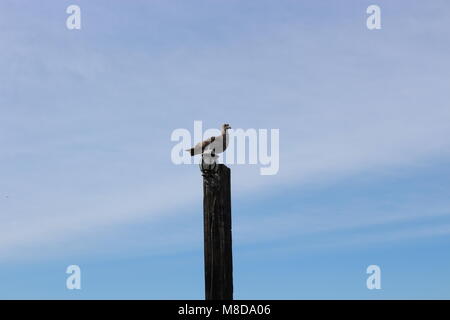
(220, 143)
(201, 146)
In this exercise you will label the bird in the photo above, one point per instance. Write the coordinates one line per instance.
(212, 145)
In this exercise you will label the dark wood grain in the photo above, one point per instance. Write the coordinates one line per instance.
(217, 233)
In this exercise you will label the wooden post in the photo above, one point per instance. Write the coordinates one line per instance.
(217, 232)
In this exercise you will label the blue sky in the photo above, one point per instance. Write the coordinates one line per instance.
(85, 124)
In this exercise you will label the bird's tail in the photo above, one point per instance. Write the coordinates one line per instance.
(191, 151)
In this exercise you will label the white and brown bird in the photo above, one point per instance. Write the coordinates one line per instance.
(213, 145)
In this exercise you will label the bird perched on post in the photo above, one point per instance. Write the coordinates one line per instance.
(212, 145)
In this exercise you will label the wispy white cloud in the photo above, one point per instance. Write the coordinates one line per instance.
(85, 130)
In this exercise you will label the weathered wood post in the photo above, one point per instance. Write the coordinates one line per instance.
(217, 231)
